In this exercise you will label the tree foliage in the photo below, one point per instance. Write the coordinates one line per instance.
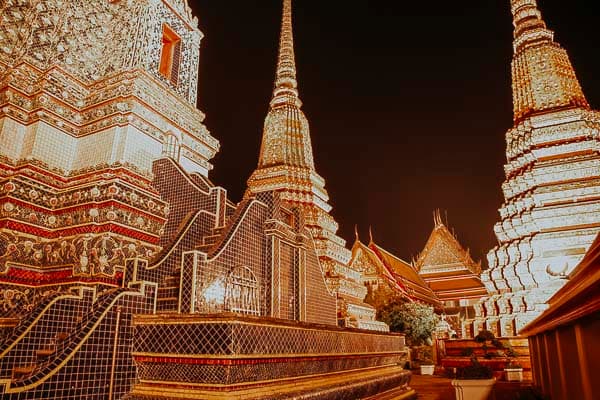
(416, 321)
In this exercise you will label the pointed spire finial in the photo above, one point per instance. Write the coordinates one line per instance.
(286, 85)
(370, 235)
(437, 218)
(528, 22)
(356, 233)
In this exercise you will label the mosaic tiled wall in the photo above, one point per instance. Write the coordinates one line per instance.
(188, 193)
(256, 258)
(234, 350)
(85, 84)
(58, 229)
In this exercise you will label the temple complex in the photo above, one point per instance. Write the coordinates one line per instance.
(286, 165)
(452, 274)
(125, 272)
(443, 276)
(551, 213)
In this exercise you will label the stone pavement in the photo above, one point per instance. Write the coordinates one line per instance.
(439, 388)
(432, 387)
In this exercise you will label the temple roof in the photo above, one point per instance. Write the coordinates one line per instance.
(397, 272)
(447, 267)
(444, 255)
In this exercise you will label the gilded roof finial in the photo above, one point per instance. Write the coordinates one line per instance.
(437, 218)
(286, 85)
(370, 235)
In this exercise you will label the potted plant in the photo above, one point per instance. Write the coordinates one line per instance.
(425, 361)
(474, 382)
(514, 372)
(486, 336)
(427, 367)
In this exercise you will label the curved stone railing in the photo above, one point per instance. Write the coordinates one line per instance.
(69, 346)
(236, 219)
(16, 348)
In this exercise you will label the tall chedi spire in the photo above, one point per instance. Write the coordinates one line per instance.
(286, 166)
(286, 84)
(551, 212)
(286, 159)
(543, 77)
(286, 139)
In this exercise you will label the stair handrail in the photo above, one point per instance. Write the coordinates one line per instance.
(27, 323)
(70, 345)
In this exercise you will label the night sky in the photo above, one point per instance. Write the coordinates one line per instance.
(408, 103)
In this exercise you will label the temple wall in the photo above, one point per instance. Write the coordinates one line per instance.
(564, 339)
(98, 148)
(12, 136)
(45, 143)
(58, 149)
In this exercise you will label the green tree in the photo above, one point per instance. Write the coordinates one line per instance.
(416, 321)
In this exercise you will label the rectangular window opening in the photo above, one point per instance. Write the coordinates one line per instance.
(171, 55)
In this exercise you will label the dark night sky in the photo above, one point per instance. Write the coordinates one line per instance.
(408, 103)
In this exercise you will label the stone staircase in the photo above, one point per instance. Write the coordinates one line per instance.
(41, 355)
(169, 287)
(45, 355)
(36, 335)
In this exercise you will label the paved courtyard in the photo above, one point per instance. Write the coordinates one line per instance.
(439, 388)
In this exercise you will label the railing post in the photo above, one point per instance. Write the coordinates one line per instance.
(190, 263)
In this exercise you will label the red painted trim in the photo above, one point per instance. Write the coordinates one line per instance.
(86, 206)
(89, 228)
(74, 179)
(248, 361)
(389, 268)
(56, 277)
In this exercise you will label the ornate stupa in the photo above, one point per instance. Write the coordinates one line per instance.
(551, 212)
(92, 93)
(286, 165)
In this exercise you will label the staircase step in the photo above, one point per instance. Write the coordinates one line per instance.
(171, 281)
(166, 292)
(167, 304)
(168, 299)
(43, 353)
(61, 336)
(205, 248)
(210, 240)
(19, 372)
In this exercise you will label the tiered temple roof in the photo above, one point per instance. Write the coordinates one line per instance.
(448, 268)
(396, 277)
